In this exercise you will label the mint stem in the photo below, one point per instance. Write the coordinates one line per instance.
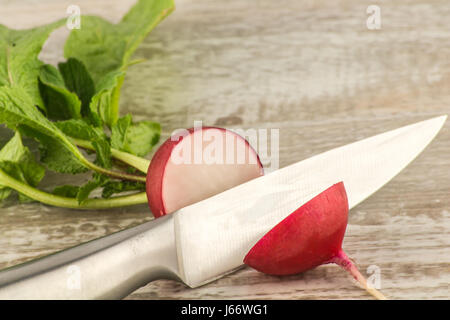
(90, 165)
(72, 203)
(119, 175)
(136, 162)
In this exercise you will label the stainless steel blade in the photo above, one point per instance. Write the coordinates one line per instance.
(213, 236)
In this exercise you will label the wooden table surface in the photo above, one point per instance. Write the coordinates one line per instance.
(311, 69)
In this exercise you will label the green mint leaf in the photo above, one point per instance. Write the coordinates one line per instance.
(112, 187)
(67, 191)
(99, 44)
(19, 64)
(104, 106)
(60, 103)
(78, 80)
(103, 151)
(79, 129)
(17, 161)
(135, 138)
(54, 153)
(18, 112)
(82, 193)
(106, 49)
(141, 137)
(4, 193)
(85, 190)
(119, 132)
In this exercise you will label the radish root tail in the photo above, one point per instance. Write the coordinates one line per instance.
(344, 261)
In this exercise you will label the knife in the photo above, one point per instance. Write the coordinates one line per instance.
(209, 239)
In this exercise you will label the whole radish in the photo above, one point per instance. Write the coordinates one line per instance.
(197, 163)
(310, 236)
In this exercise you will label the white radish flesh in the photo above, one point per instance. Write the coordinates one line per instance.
(196, 165)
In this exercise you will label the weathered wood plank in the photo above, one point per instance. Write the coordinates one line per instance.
(310, 69)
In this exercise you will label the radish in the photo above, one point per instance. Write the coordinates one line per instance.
(310, 236)
(197, 163)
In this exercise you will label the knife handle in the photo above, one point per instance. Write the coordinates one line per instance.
(106, 268)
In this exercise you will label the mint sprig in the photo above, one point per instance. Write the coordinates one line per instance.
(60, 103)
(106, 49)
(19, 63)
(19, 162)
(72, 109)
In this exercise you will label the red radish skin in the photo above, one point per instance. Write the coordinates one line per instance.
(309, 237)
(171, 186)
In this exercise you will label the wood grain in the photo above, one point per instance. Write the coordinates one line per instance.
(310, 69)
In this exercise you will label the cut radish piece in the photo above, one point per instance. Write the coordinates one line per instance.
(197, 164)
(310, 236)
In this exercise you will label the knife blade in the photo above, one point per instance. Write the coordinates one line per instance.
(256, 207)
(209, 239)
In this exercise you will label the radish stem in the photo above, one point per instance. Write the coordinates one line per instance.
(72, 203)
(344, 261)
(137, 162)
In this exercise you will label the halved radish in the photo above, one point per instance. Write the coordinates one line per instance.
(310, 236)
(196, 164)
